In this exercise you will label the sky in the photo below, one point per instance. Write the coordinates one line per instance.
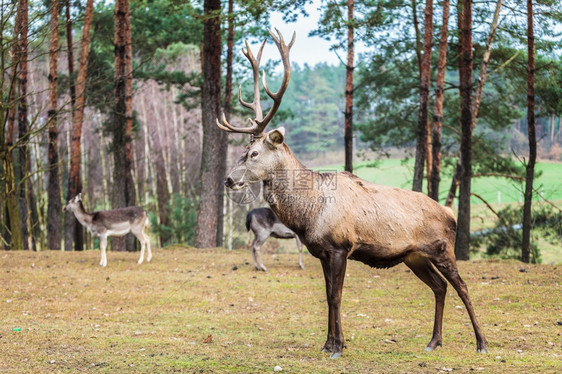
(306, 49)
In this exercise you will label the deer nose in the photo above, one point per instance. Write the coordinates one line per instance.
(228, 182)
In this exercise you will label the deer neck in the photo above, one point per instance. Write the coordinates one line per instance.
(292, 193)
(81, 215)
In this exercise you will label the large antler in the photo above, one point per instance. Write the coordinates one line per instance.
(259, 123)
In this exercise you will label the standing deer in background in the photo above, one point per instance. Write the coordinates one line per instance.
(116, 222)
(339, 216)
(264, 223)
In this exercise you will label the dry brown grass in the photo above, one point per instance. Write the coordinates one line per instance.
(209, 311)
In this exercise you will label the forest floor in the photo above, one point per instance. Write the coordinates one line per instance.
(209, 311)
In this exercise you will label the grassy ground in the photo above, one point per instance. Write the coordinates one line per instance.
(208, 311)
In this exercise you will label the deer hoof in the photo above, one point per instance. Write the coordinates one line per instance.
(335, 355)
(482, 350)
(432, 345)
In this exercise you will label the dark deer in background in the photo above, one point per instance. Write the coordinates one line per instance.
(264, 223)
(339, 216)
(116, 222)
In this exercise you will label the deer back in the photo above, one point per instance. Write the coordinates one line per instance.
(117, 221)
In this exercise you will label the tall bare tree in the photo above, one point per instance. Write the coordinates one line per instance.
(211, 181)
(227, 111)
(462, 250)
(74, 231)
(423, 116)
(482, 75)
(123, 188)
(11, 228)
(530, 167)
(349, 68)
(54, 207)
(435, 177)
(28, 209)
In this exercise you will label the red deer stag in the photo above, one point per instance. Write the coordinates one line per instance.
(339, 216)
(116, 222)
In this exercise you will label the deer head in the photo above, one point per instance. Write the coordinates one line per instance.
(74, 202)
(264, 152)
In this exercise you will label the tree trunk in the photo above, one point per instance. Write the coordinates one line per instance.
(206, 231)
(530, 167)
(348, 135)
(71, 226)
(423, 116)
(552, 129)
(74, 229)
(462, 250)
(478, 97)
(227, 111)
(54, 207)
(417, 32)
(438, 107)
(123, 188)
(21, 155)
(12, 209)
(10, 228)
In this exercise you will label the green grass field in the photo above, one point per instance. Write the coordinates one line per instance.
(209, 311)
(394, 172)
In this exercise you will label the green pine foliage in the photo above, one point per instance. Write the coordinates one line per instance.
(504, 240)
(182, 221)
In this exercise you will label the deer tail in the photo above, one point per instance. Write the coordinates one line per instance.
(248, 221)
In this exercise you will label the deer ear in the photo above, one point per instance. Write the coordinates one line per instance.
(276, 137)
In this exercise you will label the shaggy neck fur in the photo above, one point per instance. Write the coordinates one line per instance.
(295, 192)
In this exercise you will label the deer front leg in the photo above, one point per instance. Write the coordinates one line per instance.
(103, 245)
(334, 266)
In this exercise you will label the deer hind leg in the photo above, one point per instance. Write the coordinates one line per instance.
(299, 246)
(446, 264)
(141, 239)
(147, 241)
(103, 246)
(423, 269)
(256, 255)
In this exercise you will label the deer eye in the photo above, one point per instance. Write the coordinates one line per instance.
(254, 154)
